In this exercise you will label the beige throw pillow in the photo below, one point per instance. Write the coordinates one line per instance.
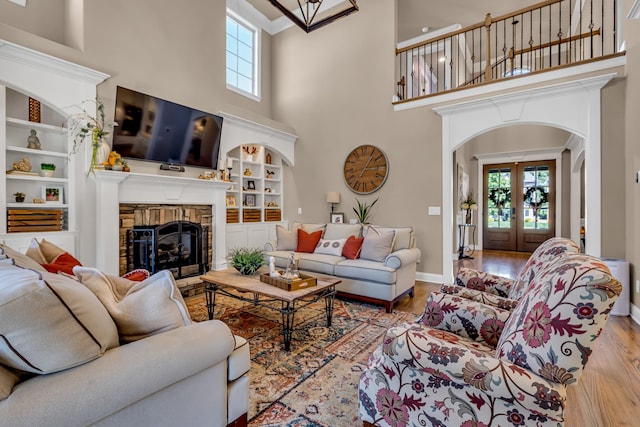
(140, 309)
(286, 240)
(377, 246)
(8, 379)
(49, 322)
(43, 252)
(20, 259)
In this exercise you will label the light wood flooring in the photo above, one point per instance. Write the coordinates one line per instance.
(608, 392)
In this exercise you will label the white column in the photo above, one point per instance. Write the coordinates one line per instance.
(107, 236)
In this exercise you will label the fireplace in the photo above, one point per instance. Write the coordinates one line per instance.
(176, 246)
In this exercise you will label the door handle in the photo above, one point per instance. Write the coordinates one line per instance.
(513, 213)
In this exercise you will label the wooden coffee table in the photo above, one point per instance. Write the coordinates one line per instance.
(287, 303)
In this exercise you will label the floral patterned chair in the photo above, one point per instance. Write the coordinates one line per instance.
(421, 375)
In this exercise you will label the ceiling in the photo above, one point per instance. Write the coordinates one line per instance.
(414, 15)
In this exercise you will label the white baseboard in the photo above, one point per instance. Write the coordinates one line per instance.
(429, 277)
(635, 313)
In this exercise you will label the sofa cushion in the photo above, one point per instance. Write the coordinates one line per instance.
(319, 263)
(286, 240)
(330, 247)
(352, 247)
(403, 238)
(362, 269)
(377, 245)
(19, 259)
(50, 322)
(308, 227)
(307, 242)
(342, 231)
(239, 360)
(140, 309)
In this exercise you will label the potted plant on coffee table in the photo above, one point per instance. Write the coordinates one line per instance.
(246, 260)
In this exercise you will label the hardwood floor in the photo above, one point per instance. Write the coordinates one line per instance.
(608, 392)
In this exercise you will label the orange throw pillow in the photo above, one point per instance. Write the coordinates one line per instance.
(352, 247)
(137, 275)
(63, 262)
(307, 242)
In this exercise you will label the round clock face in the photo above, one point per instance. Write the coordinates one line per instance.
(366, 169)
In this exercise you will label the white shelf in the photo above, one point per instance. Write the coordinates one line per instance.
(36, 178)
(37, 152)
(37, 205)
(272, 180)
(34, 125)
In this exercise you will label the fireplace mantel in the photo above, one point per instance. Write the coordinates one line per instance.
(113, 188)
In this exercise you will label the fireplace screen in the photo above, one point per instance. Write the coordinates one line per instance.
(176, 246)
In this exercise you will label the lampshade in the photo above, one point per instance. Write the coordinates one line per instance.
(306, 16)
(333, 197)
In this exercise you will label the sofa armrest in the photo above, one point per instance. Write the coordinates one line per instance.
(486, 282)
(87, 393)
(270, 246)
(402, 257)
(466, 318)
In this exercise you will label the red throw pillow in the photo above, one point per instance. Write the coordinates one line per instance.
(352, 247)
(63, 262)
(137, 275)
(307, 242)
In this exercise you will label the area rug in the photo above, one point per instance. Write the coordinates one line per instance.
(316, 383)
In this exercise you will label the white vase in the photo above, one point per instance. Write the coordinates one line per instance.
(103, 152)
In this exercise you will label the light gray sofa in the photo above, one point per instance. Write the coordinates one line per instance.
(63, 362)
(383, 281)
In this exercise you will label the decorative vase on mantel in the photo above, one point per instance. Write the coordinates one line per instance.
(100, 155)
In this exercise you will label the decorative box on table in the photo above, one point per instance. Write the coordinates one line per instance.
(304, 281)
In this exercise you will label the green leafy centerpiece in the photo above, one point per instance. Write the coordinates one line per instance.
(246, 260)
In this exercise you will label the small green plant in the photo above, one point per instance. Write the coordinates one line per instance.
(363, 211)
(47, 166)
(246, 260)
(19, 194)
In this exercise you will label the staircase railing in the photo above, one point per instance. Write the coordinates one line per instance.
(542, 37)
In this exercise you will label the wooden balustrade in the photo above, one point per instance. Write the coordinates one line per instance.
(542, 37)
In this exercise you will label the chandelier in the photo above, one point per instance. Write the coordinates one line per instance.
(307, 10)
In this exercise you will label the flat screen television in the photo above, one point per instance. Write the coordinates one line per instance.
(158, 130)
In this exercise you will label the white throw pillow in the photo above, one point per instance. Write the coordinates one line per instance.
(286, 240)
(377, 246)
(140, 309)
(330, 247)
(49, 322)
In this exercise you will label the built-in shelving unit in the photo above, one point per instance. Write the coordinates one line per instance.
(30, 216)
(255, 193)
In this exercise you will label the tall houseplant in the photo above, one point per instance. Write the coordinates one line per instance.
(363, 211)
(84, 124)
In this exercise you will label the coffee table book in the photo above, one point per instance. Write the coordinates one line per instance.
(305, 281)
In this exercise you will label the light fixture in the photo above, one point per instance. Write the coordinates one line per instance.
(308, 10)
(333, 197)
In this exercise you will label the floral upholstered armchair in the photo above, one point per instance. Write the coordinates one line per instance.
(423, 375)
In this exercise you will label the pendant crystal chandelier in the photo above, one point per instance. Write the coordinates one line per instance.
(306, 12)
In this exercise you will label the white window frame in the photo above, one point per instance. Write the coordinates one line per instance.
(257, 66)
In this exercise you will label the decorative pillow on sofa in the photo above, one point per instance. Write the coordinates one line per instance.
(286, 240)
(330, 247)
(352, 247)
(403, 238)
(342, 231)
(307, 242)
(20, 260)
(8, 379)
(50, 322)
(43, 252)
(377, 246)
(140, 309)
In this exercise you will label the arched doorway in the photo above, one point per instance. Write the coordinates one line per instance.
(573, 106)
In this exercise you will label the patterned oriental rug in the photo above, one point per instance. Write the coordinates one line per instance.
(316, 383)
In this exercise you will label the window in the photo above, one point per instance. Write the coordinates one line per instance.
(242, 57)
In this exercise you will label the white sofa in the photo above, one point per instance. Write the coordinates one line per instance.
(193, 374)
(382, 281)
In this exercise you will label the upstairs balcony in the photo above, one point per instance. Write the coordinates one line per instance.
(547, 36)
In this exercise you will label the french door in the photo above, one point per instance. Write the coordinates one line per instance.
(519, 201)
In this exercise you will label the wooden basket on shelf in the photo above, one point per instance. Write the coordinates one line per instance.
(30, 220)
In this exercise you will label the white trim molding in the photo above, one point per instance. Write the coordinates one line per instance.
(634, 12)
(546, 105)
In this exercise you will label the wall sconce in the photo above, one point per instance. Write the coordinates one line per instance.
(333, 197)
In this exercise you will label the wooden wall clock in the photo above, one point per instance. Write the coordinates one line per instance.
(366, 169)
